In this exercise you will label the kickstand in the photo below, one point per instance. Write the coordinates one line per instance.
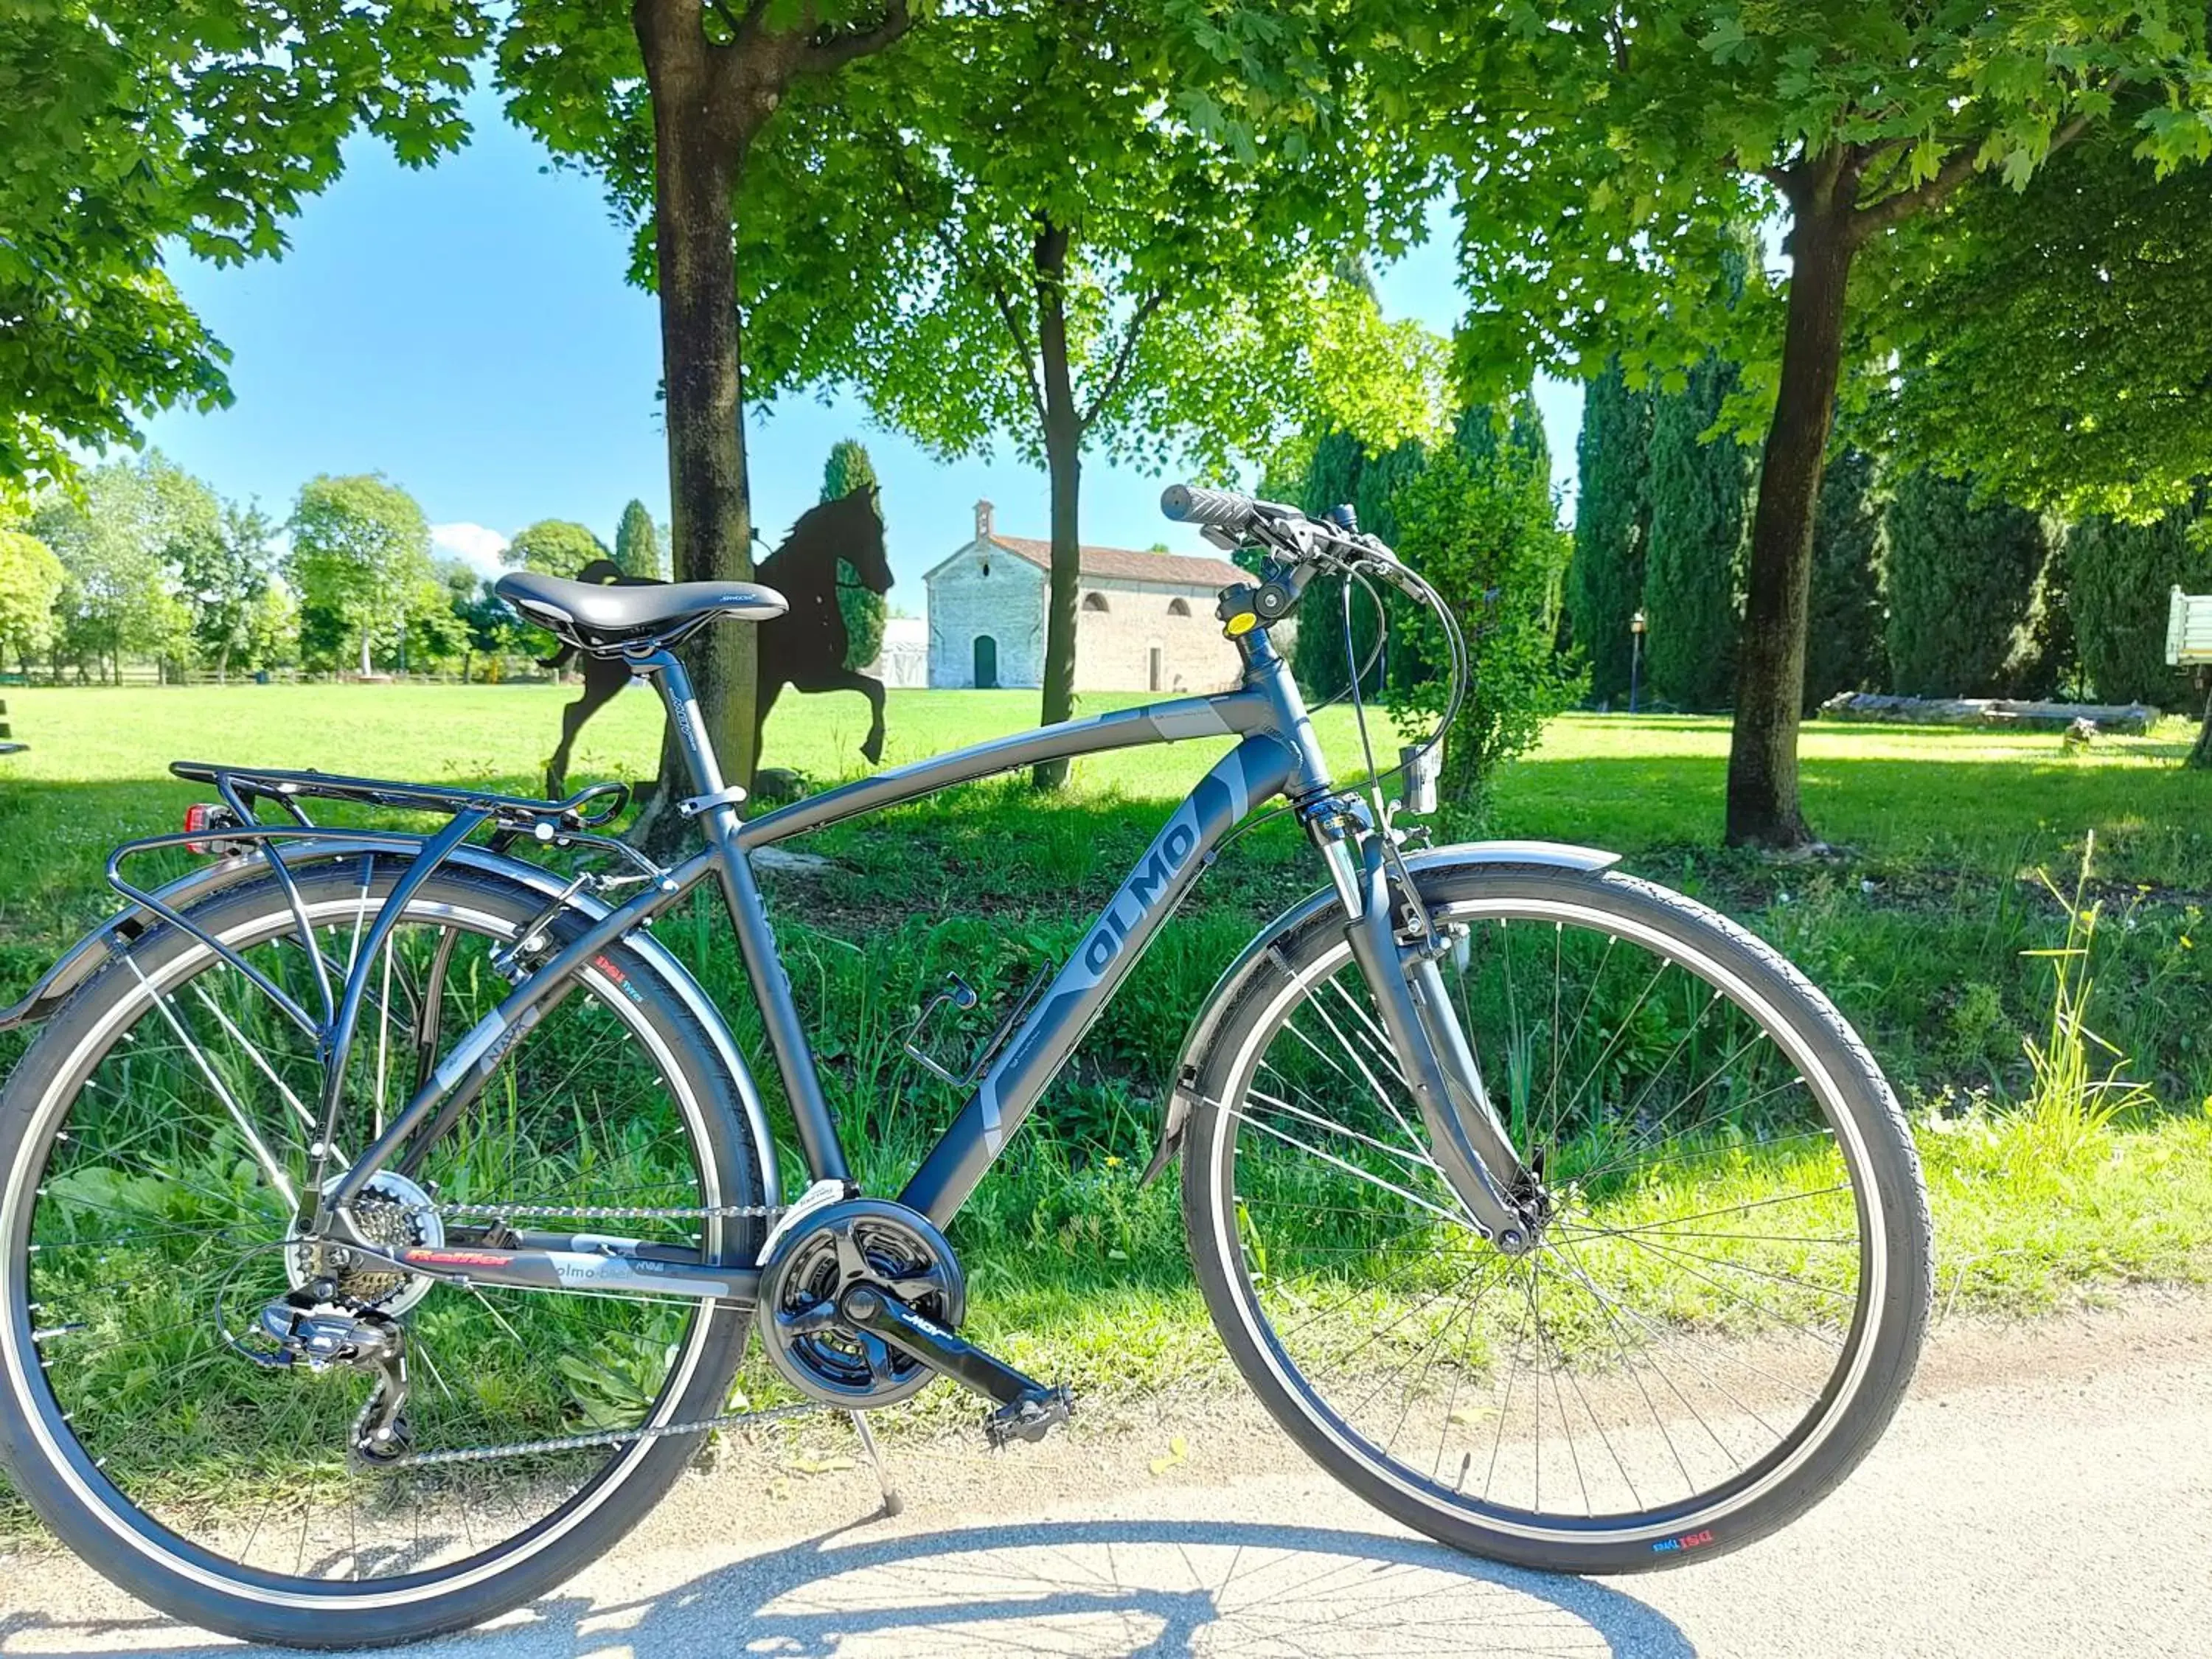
(893, 1504)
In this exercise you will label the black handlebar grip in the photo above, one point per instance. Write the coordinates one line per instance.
(1193, 504)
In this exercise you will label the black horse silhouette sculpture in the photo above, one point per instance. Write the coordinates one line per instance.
(805, 648)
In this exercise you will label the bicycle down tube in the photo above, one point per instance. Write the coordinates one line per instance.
(1263, 764)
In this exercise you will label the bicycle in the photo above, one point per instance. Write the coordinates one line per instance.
(1551, 1211)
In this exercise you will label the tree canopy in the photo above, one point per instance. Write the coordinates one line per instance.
(2055, 342)
(1066, 224)
(558, 547)
(30, 577)
(1963, 573)
(1602, 155)
(1612, 521)
(360, 555)
(132, 128)
(1478, 522)
(848, 469)
(637, 544)
(118, 537)
(1693, 544)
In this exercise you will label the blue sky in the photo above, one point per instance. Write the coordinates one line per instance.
(465, 330)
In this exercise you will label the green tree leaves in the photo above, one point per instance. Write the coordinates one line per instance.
(30, 577)
(2057, 347)
(637, 544)
(361, 552)
(1480, 524)
(558, 547)
(847, 469)
(2121, 575)
(1695, 551)
(119, 537)
(1613, 516)
(126, 128)
(1963, 583)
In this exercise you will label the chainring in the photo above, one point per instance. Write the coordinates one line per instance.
(858, 1240)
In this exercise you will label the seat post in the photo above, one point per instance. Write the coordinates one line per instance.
(771, 986)
(657, 663)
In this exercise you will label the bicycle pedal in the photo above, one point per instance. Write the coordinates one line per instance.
(1030, 1418)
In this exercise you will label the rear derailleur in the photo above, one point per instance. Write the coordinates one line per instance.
(297, 1330)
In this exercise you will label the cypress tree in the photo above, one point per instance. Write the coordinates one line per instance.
(1478, 521)
(848, 469)
(1694, 551)
(637, 544)
(1843, 638)
(1383, 484)
(1962, 579)
(1332, 477)
(2123, 575)
(1612, 510)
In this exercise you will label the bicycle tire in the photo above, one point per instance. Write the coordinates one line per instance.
(99, 1521)
(1888, 1321)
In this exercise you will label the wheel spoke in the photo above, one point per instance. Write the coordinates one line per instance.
(163, 1210)
(1692, 1277)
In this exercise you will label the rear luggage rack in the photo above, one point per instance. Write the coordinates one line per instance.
(587, 809)
(236, 833)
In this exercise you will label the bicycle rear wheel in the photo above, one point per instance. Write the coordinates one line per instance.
(1723, 1308)
(156, 1140)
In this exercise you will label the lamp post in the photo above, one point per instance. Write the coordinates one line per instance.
(1635, 625)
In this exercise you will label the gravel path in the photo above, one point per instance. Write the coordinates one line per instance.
(2048, 1490)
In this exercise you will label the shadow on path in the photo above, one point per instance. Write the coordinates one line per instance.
(1122, 1587)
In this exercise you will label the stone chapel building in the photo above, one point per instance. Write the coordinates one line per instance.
(1144, 621)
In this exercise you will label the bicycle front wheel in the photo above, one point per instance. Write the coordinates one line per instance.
(1723, 1306)
(156, 1140)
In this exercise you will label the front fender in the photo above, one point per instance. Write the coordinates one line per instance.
(1258, 958)
(93, 952)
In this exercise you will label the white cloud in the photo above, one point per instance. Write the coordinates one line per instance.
(473, 544)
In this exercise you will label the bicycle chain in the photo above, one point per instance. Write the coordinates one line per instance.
(612, 1437)
(599, 1212)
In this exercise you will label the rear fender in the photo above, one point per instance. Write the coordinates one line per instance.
(95, 950)
(1264, 956)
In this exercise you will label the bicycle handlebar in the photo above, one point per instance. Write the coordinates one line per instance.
(1225, 509)
(1239, 514)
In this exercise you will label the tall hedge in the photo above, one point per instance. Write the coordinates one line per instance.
(1963, 579)
(2122, 577)
(1843, 639)
(1613, 516)
(1694, 556)
(848, 469)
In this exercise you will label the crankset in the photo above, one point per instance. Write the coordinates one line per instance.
(823, 1254)
(859, 1302)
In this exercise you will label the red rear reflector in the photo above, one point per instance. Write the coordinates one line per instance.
(199, 818)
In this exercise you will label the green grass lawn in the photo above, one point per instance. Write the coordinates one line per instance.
(1918, 925)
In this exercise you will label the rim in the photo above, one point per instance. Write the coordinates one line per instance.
(1697, 1314)
(156, 1514)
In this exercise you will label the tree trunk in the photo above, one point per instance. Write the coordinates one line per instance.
(1063, 451)
(698, 150)
(2200, 756)
(1762, 778)
(365, 668)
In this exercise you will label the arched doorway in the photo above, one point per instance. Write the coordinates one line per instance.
(987, 663)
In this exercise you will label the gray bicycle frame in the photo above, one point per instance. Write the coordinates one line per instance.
(1277, 754)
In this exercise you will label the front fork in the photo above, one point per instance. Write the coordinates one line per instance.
(1470, 1146)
